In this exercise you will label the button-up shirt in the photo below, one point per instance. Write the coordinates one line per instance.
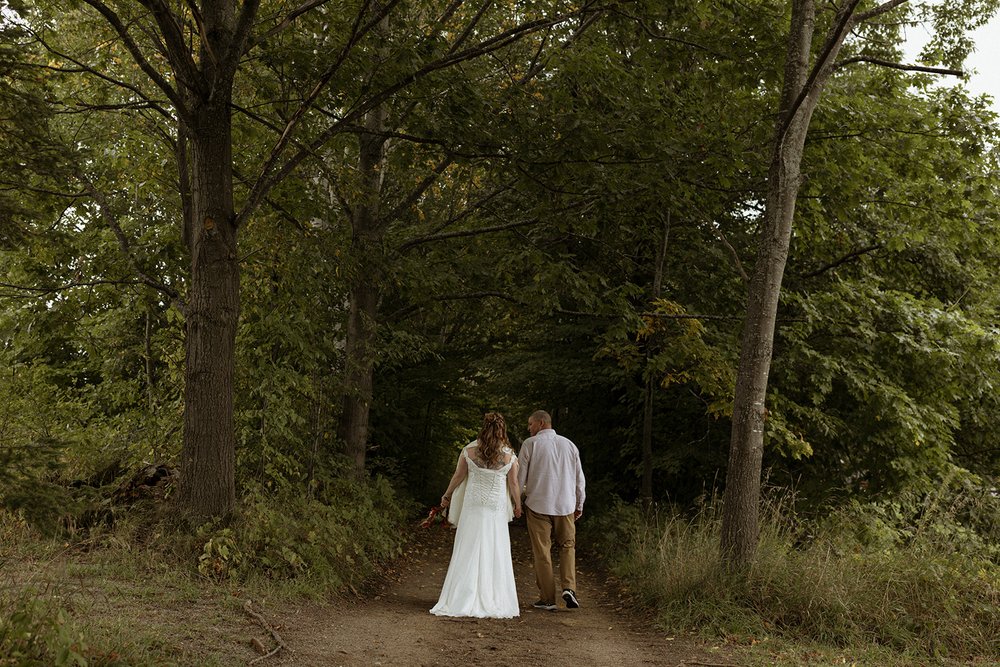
(551, 475)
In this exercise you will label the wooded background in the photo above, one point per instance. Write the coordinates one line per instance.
(277, 245)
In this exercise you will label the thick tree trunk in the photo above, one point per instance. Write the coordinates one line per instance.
(366, 246)
(740, 529)
(208, 460)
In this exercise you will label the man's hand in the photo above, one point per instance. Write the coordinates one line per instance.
(577, 514)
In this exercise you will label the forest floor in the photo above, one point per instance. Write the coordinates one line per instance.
(157, 617)
(392, 626)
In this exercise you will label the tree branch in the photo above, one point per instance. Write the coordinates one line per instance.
(846, 258)
(178, 52)
(845, 21)
(112, 18)
(733, 256)
(83, 68)
(881, 9)
(241, 36)
(269, 177)
(466, 232)
(291, 16)
(259, 189)
(123, 241)
(419, 191)
(908, 68)
(471, 26)
(485, 294)
(43, 291)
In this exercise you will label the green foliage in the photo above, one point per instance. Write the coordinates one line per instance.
(34, 633)
(870, 575)
(337, 538)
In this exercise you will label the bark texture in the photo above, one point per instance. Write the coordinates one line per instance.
(208, 459)
(803, 86)
(368, 230)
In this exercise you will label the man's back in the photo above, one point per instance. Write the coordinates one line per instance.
(551, 474)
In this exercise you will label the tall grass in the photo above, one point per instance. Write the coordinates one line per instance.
(931, 591)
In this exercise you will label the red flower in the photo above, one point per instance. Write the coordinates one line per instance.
(437, 514)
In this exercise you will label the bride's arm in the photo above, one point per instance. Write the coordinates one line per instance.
(461, 471)
(515, 489)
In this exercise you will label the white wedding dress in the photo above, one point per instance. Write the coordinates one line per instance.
(480, 579)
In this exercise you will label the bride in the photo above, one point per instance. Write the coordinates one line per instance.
(482, 497)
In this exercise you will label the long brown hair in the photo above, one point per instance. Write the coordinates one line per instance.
(493, 438)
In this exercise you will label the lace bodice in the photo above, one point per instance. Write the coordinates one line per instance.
(487, 487)
(472, 456)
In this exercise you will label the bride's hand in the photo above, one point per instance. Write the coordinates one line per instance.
(445, 501)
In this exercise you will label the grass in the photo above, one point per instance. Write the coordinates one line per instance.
(98, 603)
(151, 591)
(818, 594)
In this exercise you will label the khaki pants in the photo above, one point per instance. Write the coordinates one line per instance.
(540, 528)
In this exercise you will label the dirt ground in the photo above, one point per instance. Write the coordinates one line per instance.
(392, 625)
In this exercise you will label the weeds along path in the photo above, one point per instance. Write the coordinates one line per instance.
(392, 626)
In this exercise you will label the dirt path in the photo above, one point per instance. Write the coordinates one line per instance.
(393, 627)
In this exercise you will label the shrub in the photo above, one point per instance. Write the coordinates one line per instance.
(33, 633)
(335, 539)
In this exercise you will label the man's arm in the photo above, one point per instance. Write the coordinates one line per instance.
(581, 487)
(523, 460)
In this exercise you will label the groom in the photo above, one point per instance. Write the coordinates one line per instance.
(552, 479)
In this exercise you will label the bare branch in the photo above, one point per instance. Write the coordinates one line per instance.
(472, 26)
(844, 22)
(36, 292)
(484, 294)
(241, 36)
(466, 233)
(846, 258)
(652, 34)
(733, 256)
(908, 68)
(465, 213)
(881, 9)
(84, 107)
(357, 32)
(18, 187)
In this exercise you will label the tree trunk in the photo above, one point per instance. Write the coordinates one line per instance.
(740, 529)
(646, 490)
(367, 250)
(208, 460)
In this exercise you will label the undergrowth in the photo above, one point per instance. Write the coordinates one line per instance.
(917, 575)
(277, 546)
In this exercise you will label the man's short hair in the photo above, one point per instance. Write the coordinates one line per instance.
(541, 416)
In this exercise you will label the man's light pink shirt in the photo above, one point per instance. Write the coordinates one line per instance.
(550, 474)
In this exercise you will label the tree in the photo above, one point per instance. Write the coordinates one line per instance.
(204, 47)
(805, 79)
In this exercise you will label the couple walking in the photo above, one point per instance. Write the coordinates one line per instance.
(485, 493)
